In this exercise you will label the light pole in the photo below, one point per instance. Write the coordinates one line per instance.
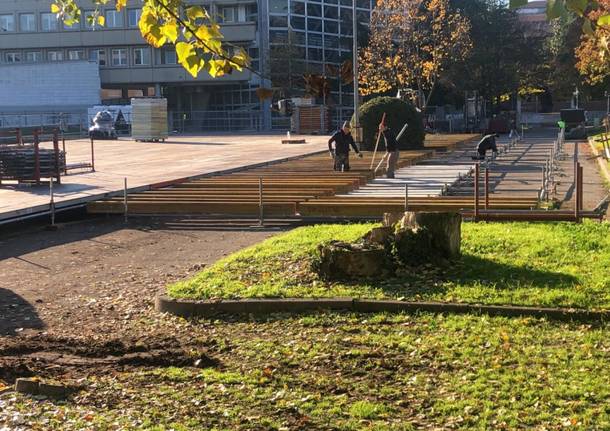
(607, 95)
(576, 93)
(355, 73)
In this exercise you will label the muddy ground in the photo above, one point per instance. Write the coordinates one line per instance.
(80, 299)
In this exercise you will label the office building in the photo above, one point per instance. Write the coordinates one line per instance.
(128, 67)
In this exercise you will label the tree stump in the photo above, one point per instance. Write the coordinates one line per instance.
(340, 261)
(427, 237)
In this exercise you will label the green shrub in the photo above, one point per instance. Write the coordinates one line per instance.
(398, 113)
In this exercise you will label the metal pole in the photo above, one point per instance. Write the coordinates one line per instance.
(52, 203)
(261, 212)
(406, 197)
(125, 207)
(486, 188)
(581, 194)
(92, 157)
(576, 193)
(355, 71)
(477, 169)
(36, 157)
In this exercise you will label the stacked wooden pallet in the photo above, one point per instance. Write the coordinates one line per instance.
(149, 119)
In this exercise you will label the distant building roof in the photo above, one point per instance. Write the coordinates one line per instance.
(534, 19)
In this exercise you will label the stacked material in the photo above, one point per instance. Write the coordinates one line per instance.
(149, 119)
(19, 162)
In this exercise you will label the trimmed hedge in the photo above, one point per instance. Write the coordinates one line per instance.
(398, 113)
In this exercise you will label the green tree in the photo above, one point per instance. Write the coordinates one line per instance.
(190, 28)
(502, 58)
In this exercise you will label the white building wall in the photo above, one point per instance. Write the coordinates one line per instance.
(57, 85)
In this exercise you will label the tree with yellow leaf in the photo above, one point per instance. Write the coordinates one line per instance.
(190, 28)
(411, 44)
(593, 55)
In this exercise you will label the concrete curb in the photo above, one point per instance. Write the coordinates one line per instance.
(193, 308)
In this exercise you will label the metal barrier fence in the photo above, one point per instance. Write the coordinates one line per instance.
(216, 121)
(69, 122)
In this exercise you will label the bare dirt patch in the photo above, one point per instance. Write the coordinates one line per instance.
(79, 301)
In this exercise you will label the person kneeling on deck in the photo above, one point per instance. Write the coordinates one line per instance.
(342, 139)
(487, 143)
(391, 148)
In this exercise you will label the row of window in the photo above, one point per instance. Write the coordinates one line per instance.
(48, 22)
(115, 57)
(106, 57)
(281, 6)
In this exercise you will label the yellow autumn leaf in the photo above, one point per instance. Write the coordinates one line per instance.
(194, 12)
(188, 58)
(101, 20)
(170, 31)
(120, 4)
(55, 8)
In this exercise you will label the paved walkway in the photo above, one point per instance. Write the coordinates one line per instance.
(144, 163)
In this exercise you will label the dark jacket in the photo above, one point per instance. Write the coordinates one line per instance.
(391, 144)
(487, 143)
(342, 142)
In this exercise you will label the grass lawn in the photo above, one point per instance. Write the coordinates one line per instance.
(353, 372)
(550, 264)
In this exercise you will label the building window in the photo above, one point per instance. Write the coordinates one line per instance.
(278, 21)
(88, 15)
(141, 56)
(119, 57)
(229, 14)
(76, 54)
(98, 55)
(114, 19)
(48, 22)
(331, 12)
(252, 12)
(27, 22)
(315, 39)
(314, 24)
(74, 26)
(167, 56)
(297, 8)
(314, 9)
(278, 6)
(13, 57)
(133, 16)
(55, 55)
(297, 22)
(331, 26)
(33, 56)
(7, 23)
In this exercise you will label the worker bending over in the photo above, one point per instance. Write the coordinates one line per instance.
(487, 143)
(391, 148)
(342, 139)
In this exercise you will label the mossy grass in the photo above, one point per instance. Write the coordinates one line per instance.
(533, 264)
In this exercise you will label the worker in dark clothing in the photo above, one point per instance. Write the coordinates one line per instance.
(391, 148)
(487, 143)
(342, 139)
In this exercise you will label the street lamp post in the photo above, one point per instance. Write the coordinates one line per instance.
(576, 93)
(607, 95)
(355, 73)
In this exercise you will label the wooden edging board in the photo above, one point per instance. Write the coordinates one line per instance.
(193, 308)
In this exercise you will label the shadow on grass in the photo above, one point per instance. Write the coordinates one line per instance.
(426, 281)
